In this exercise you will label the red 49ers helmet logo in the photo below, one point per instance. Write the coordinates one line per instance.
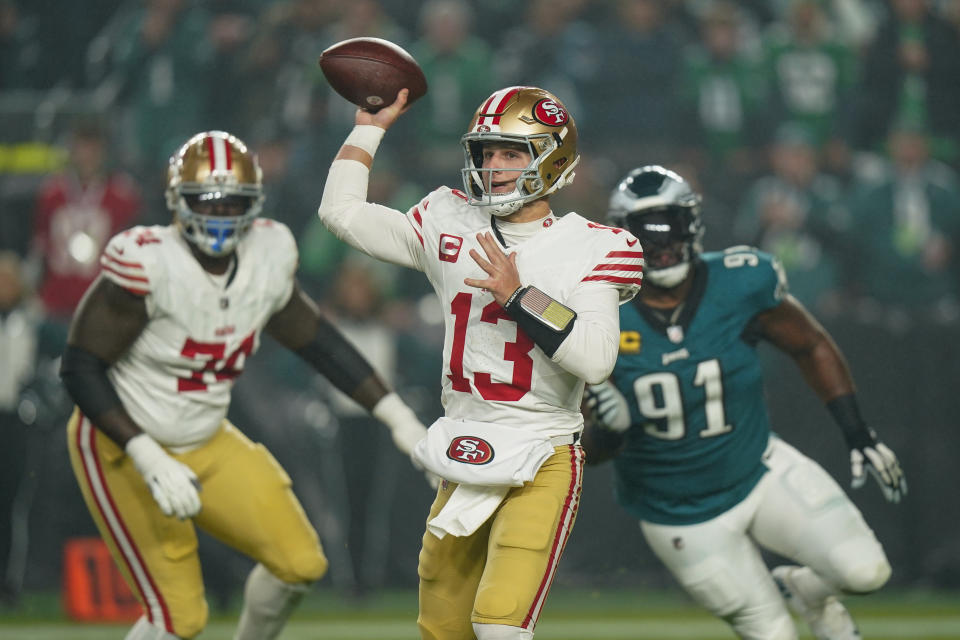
(550, 112)
(470, 450)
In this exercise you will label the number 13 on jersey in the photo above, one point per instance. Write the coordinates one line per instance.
(517, 352)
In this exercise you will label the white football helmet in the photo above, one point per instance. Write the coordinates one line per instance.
(214, 172)
(530, 117)
(663, 212)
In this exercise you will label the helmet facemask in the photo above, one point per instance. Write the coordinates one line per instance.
(671, 240)
(215, 191)
(529, 185)
(216, 235)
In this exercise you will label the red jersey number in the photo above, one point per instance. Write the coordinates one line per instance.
(517, 352)
(222, 368)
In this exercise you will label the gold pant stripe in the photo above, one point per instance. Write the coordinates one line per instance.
(565, 527)
(156, 608)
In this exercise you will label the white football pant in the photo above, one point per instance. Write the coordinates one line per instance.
(796, 510)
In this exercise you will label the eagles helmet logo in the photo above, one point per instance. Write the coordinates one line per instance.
(470, 450)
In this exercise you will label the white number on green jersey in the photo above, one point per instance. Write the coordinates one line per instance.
(658, 396)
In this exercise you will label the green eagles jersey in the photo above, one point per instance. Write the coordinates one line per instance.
(695, 390)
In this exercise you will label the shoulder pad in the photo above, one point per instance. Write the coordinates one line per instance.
(127, 258)
(274, 241)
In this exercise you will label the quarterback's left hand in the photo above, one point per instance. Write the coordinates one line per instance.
(873, 457)
(504, 278)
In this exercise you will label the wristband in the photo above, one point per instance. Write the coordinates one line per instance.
(548, 311)
(846, 413)
(366, 137)
(513, 296)
(545, 320)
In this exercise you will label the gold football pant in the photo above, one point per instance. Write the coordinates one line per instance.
(248, 504)
(502, 572)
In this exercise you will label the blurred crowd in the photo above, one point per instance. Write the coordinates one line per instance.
(824, 131)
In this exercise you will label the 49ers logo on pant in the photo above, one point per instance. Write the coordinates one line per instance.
(470, 450)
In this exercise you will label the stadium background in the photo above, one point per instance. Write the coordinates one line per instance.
(722, 91)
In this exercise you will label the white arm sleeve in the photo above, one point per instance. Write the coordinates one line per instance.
(378, 231)
(590, 351)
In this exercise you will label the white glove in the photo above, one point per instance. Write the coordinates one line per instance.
(877, 459)
(608, 406)
(173, 484)
(404, 425)
(405, 428)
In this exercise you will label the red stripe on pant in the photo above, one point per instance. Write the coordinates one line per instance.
(564, 527)
(156, 609)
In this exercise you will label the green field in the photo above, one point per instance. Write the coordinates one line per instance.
(570, 615)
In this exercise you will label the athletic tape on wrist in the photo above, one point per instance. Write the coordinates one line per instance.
(366, 137)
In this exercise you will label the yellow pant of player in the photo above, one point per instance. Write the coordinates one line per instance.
(247, 504)
(502, 572)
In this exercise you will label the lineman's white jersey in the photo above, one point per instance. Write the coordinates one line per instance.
(176, 378)
(492, 371)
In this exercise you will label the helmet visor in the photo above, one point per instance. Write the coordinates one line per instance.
(667, 235)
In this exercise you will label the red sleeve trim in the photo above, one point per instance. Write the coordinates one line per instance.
(125, 276)
(614, 279)
(618, 267)
(122, 263)
(139, 292)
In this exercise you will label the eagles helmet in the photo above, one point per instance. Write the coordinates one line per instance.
(663, 212)
(215, 190)
(534, 119)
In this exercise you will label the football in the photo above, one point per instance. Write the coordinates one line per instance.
(369, 72)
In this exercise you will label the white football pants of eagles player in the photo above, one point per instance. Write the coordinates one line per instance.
(796, 510)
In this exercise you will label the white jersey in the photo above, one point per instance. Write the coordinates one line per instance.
(492, 371)
(176, 378)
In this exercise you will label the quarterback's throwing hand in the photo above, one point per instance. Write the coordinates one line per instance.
(173, 484)
(879, 461)
(608, 405)
(384, 118)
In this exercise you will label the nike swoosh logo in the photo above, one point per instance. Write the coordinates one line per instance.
(120, 250)
(630, 244)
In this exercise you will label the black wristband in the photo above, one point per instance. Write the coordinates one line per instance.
(85, 377)
(545, 320)
(846, 413)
